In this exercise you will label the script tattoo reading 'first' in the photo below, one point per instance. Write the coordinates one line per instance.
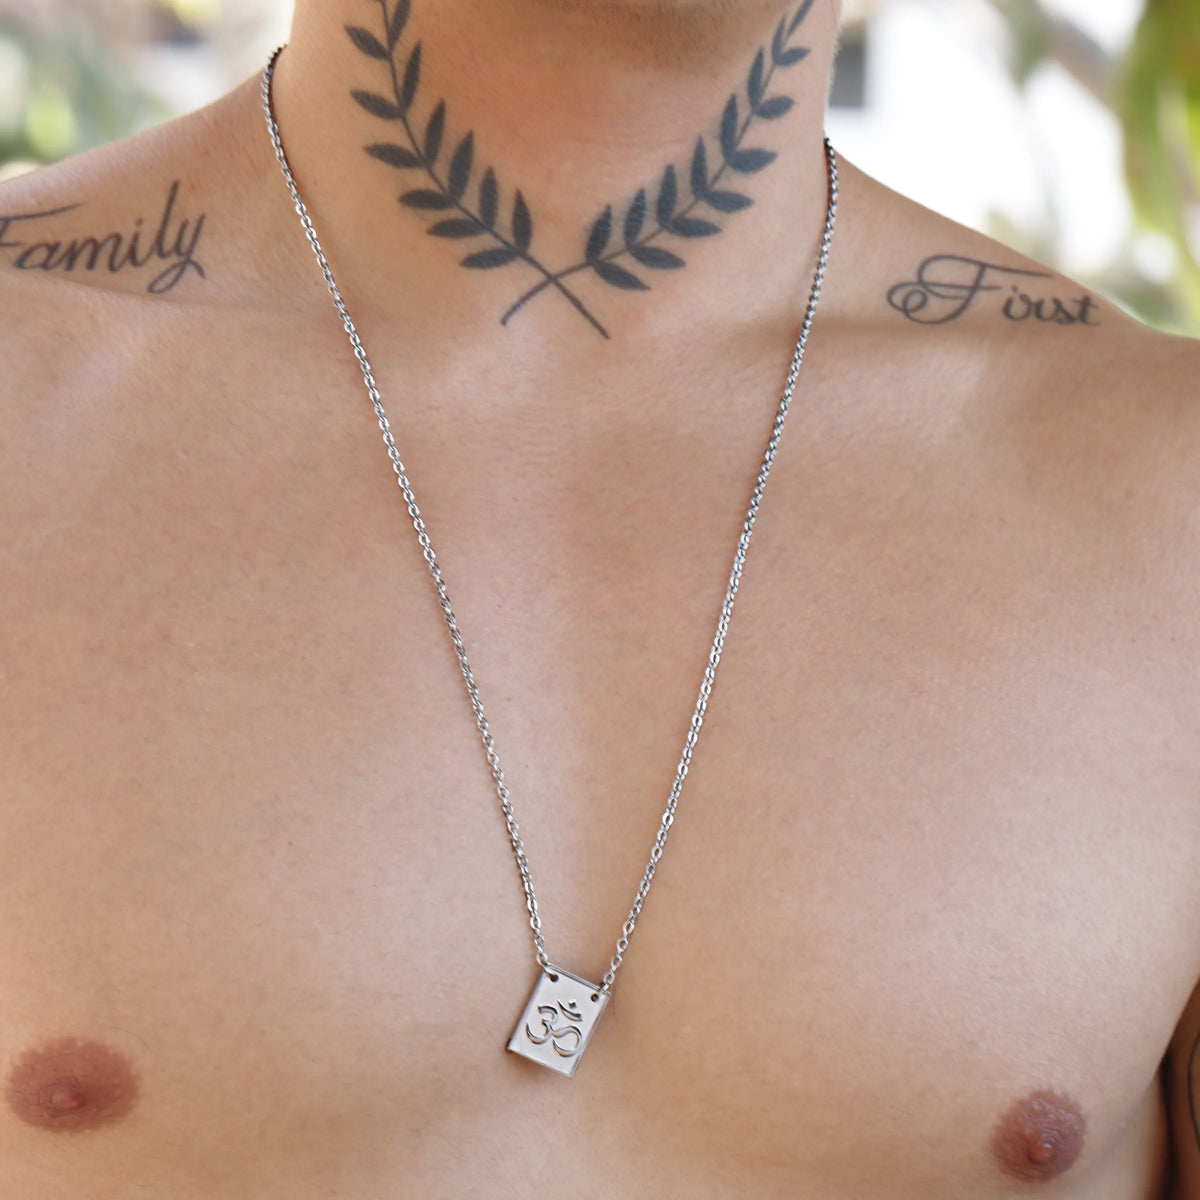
(947, 285)
(32, 241)
(625, 244)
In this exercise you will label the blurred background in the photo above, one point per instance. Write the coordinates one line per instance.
(1070, 129)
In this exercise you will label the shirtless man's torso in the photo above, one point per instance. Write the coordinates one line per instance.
(929, 920)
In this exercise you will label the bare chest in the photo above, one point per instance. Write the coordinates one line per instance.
(932, 856)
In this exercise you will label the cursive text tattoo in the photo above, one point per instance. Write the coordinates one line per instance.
(175, 243)
(619, 248)
(947, 285)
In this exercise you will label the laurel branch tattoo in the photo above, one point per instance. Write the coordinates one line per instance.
(464, 212)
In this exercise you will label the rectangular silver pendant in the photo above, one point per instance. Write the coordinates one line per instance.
(558, 1020)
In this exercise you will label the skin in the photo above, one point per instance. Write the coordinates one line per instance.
(1040, 1137)
(934, 862)
(71, 1086)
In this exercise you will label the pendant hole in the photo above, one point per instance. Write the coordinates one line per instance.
(595, 997)
(552, 977)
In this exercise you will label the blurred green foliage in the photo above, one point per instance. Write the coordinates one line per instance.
(62, 93)
(1158, 102)
(1153, 90)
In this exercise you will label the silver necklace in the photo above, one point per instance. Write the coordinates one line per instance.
(562, 1011)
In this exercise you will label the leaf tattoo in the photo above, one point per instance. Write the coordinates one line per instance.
(522, 224)
(489, 199)
(446, 193)
(687, 209)
(367, 42)
(600, 234)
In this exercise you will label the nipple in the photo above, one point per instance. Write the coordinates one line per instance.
(1040, 1137)
(70, 1086)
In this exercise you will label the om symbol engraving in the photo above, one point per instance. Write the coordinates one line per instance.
(558, 1020)
(560, 1027)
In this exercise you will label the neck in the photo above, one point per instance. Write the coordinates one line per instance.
(584, 164)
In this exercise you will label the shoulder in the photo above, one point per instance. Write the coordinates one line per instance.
(131, 244)
(122, 272)
(998, 342)
(166, 218)
(1066, 415)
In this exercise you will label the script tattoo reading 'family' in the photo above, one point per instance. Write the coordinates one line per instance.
(32, 241)
(947, 285)
(620, 248)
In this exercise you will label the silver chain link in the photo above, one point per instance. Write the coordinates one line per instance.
(735, 576)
